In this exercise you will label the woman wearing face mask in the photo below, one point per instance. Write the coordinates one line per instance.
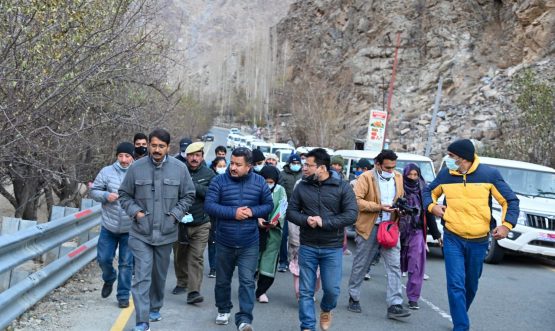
(270, 234)
(219, 166)
(412, 230)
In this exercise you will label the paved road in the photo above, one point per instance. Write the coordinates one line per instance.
(516, 295)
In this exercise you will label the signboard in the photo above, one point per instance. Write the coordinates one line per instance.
(376, 130)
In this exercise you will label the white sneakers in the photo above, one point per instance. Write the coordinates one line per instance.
(263, 298)
(222, 318)
(245, 327)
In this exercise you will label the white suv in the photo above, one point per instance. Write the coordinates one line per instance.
(535, 231)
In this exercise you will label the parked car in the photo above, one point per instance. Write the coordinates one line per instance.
(351, 158)
(265, 147)
(534, 186)
(234, 131)
(208, 136)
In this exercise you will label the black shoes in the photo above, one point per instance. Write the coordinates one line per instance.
(397, 311)
(413, 305)
(123, 303)
(106, 290)
(354, 306)
(178, 290)
(194, 297)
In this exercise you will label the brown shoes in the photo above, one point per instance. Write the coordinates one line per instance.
(325, 320)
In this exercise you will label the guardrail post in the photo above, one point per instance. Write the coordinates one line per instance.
(11, 225)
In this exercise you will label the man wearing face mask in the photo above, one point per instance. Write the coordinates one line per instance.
(193, 236)
(114, 230)
(258, 160)
(468, 187)
(376, 191)
(183, 144)
(322, 206)
(141, 145)
(290, 174)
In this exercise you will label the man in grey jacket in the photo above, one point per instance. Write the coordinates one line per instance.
(156, 193)
(114, 230)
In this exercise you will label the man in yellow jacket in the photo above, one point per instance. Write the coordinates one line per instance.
(376, 192)
(468, 187)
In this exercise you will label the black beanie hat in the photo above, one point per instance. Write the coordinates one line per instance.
(257, 156)
(125, 147)
(463, 148)
(270, 171)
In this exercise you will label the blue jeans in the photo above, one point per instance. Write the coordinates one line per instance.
(463, 267)
(330, 261)
(108, 242)
(283, 248)
(212, 247)
(246, 260)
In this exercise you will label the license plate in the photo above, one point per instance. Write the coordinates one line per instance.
(546, 236)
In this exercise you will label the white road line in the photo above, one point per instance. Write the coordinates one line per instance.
(435, 308)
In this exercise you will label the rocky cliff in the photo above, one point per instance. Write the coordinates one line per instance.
(476, 46)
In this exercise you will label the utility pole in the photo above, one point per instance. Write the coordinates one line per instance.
(391, 84)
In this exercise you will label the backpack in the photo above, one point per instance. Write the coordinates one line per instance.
(388, 234)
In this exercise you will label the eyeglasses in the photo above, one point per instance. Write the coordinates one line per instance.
(306, 165)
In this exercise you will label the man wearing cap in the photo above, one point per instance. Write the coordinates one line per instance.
(337, 164)
(468, 187)
(258, 160)
(290, 174)
(272, 159)
(193, 236)
(114, 230)
(183, 144)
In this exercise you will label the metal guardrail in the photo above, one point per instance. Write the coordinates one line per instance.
(32, 242)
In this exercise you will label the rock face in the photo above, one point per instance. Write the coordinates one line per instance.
(476, 46)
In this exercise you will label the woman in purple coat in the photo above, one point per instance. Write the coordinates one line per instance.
(413, 233)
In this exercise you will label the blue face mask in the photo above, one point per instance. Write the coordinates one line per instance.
(451, 164)
(295, 167)
(358, 173)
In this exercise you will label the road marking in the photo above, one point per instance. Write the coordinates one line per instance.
(123, 317)
(435, 308)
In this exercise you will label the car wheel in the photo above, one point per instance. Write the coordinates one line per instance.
(495, 253)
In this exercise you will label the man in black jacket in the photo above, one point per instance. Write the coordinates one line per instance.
(193, 235)
(322, 206)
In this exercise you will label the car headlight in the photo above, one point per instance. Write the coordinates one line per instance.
(522, 218)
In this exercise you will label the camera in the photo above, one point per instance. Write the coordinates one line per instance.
(403, 206)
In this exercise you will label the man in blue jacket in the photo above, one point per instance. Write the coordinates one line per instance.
(237, 199)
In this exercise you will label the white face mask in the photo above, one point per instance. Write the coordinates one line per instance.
(221, 171)
(451, 163)
(271, 186)
(183, 155)
(387, 175)
(257, 168)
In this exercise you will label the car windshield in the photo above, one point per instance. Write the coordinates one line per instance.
(529, 182)
(264, 149)
(425, 167)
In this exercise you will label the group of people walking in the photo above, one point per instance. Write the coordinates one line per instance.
(259, 220)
